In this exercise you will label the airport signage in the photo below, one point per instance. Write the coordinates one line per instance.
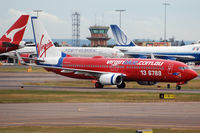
(167, 96)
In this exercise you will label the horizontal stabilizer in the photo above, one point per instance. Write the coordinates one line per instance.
(8, 44)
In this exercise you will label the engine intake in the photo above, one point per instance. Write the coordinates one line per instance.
(111, 79)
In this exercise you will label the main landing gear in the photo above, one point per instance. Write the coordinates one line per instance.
(122, 85)
(98, 85)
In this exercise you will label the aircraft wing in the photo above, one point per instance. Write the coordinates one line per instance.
(22, 61)
(176, 57)
(64, 69)
(76, 71)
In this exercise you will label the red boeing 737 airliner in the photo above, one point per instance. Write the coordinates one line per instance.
(107, 71)
(12, 39)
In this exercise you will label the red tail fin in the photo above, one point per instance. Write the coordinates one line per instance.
(15, 33)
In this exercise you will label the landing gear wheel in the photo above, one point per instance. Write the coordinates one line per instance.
(122, 85)
(168, 86)
(98, 85)
(178, 87)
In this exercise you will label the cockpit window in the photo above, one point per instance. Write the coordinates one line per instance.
(183, 68)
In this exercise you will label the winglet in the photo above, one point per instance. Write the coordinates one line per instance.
(120, 38)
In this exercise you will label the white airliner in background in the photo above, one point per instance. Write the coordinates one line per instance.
(92, 51)
(29, 52)
(188, 53)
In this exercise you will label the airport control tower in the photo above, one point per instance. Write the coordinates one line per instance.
(99, 36)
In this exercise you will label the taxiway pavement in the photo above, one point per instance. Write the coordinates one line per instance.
(14, 80)
(133, 115)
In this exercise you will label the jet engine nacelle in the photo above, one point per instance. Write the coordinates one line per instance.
(146, 83)
(111, 79)
(22, 44)
(25, 56)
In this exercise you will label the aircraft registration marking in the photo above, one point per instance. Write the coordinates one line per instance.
(151, 73)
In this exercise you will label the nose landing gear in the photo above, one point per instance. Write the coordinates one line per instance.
(178, 87)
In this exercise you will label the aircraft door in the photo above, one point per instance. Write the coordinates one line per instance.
(170, 69)
(114, 68)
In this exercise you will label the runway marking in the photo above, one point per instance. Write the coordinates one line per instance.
(82, 109)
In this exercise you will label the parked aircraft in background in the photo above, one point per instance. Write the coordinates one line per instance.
(91, 51)
(12, 39)
(188, 53)
(30, 52)
(106, 71)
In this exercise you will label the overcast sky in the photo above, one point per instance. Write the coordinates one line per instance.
(143, 19)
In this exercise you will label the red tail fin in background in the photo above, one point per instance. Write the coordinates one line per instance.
(15, 33)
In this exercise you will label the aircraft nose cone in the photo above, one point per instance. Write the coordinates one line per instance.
(192, 74)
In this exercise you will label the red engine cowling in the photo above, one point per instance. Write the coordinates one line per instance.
(25, 56)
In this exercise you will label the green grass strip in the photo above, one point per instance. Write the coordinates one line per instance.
(21, 69)
(46, 96)
(193, 84)
(79, 129)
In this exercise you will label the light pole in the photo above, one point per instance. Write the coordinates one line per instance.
(120, 11)
(165, 19)
(37, 11)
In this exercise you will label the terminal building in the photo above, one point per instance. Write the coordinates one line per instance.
(99, 36)
(156, 43)
(151, 43)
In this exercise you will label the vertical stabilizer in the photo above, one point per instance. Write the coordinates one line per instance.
(44, 45)
(15, 33)
(120, 38)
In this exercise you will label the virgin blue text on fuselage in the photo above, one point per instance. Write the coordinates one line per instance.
(133, 62)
